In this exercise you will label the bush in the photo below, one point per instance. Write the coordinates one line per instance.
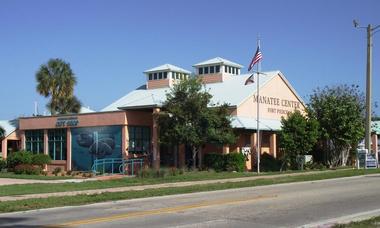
(214, 161)
(27, 169)
(41, 159)
(225, 162)
(269, 164)
(3, 164)
(18, 158)
(57, 170)
(234, 162)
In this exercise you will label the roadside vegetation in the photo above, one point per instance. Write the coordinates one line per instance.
(29, 204)
(368, 223)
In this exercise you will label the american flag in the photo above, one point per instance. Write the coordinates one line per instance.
(258, 56)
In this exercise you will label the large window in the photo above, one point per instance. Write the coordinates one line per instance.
(217, 69)
(139, 139)
(34, 141)
(211, 69)
(57, 144)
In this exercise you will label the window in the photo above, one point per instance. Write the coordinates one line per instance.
(155, 76)
(173, 75)
(229, 69)
(217, 69)
(206, 70)
(139, 139)
(233, 70)
(160, 75)
(200, 70)
(34, 141)
(237, 71)
(165, 75)
(57, 144)
(226, 69)
(150, 76)
(211, 69)
(176, 75)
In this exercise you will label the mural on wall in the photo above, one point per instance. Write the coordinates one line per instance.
(92, 143)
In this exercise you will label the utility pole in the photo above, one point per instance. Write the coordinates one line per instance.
(370, 32)
(368, 91)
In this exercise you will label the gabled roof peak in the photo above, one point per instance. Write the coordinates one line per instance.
(167, 67)
(218, 60)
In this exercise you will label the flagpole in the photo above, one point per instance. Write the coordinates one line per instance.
(258, 112)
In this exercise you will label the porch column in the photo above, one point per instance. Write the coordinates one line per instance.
(273, 144)
(46, 145)
(46, 142)
(226, 149)
(252, 157)
(124, 140)
(155, 146)
(4, 151)
(68, 147)
(22, 136)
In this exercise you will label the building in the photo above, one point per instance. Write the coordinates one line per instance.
(126, 128)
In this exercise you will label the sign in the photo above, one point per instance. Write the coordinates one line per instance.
(279, 106)
(67, 122)
(365, 160)
(246, 151)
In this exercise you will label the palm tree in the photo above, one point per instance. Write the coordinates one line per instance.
(56, 80)
(2, 132)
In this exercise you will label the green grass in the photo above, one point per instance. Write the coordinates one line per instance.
(33, 177)
(9, 190)
(373, 222)
(29, 204)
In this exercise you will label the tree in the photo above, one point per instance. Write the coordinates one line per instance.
(298, 135)
(189, 118)
(56, 80)
(340, 113)
(2, 132)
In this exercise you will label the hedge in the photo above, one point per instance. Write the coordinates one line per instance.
(225, 162)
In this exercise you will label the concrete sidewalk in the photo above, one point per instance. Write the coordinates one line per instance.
(153, 186)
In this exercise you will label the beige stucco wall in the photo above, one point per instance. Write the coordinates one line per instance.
(280, 97)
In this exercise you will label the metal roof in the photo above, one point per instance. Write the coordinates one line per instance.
(375, 125)
(251, 123)
(232, 91)
(9, 126)
(218, 60)
(168, 67)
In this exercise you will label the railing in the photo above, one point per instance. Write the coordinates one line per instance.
(117, 165)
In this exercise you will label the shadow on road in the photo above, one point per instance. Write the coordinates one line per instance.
(9, 222)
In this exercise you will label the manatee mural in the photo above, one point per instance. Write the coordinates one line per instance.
(93, 143)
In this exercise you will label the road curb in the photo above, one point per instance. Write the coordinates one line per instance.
(344, 219)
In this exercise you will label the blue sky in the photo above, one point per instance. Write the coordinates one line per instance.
(110, 43)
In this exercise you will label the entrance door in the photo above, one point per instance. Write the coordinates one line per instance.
(13, 146)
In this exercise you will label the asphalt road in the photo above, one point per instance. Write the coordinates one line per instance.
(285, 205)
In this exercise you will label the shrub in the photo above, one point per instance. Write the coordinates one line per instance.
(27, 169)
(234, 162)
(225, 162)
(269, 163)
(41, 159)
(18, 158)
(57, 170)
(3, 164)
(214, 161)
